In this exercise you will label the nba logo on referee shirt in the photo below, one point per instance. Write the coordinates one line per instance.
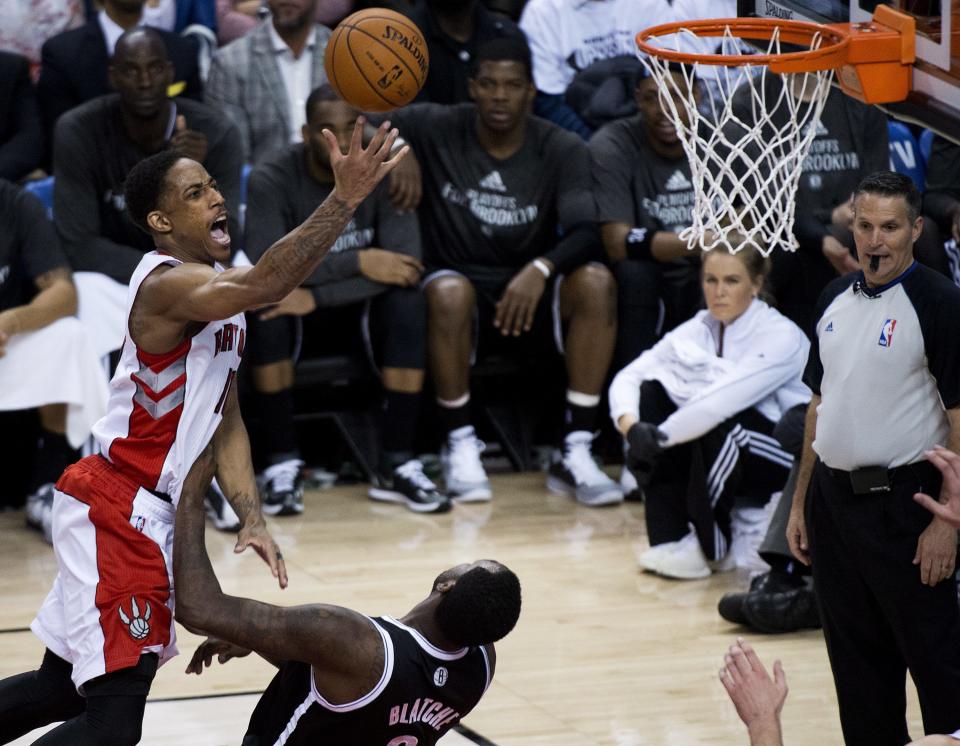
(886, 333)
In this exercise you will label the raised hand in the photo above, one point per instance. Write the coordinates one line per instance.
(757, 697)
(187, 142)
(948, 509)
(358, 172)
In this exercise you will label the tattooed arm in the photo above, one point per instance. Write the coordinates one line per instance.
(231, 451)
(196, 292)
(313, 634)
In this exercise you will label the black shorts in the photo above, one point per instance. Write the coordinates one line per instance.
(545, 336)
(389, 330)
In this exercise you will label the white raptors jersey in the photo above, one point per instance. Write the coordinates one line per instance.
(164, 409)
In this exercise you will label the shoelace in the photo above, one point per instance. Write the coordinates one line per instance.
(413, 470)
(283, 476)
(579, 460)
(465, 458)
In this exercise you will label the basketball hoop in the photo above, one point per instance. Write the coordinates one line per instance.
(747, 142)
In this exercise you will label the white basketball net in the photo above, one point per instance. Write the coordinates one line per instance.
(746, 153)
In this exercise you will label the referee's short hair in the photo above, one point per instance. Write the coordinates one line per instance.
(892, 184)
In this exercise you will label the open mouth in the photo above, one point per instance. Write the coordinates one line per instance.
(219, 231)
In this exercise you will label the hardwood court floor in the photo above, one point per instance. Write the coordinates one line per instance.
(603, 654)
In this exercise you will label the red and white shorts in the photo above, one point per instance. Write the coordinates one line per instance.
(113, 595)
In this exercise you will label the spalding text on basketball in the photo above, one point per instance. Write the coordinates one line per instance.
(412, 45)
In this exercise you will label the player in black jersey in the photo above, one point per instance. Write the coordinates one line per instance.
(346, 678)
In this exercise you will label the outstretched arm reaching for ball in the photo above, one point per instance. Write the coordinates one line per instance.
(197, 292)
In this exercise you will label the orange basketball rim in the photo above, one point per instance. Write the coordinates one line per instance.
(874, 60)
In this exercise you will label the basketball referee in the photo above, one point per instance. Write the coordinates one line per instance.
(884, 368)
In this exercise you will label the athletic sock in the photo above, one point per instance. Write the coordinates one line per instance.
(276, 425)
(455, 414)
(398, 423)
(581, 413)
(54, 454)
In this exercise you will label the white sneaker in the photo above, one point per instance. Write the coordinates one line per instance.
(463, 472)
(575, 473)
(748, 528)
(683, 560)
(220, 512)
(39, 504)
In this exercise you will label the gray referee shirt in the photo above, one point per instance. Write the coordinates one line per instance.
(886, 362)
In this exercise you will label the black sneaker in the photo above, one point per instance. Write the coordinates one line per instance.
(786, 611)
(219, 512)
(282, 489)
(731, 604)
(408, 484)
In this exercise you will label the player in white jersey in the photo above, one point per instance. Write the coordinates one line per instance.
(108, 622)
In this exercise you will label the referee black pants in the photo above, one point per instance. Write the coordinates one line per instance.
(879, 620)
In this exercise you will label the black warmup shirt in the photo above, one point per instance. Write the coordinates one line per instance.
(487, 217)
(282, 194)
(634, 184)
(942, 196)
(29, 246)
(886, 364)
(92, 157)
(424, 692)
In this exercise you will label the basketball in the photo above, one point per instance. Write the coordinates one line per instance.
(377, 60)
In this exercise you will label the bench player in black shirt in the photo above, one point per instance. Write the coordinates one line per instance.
(499, 185)
(346, 678)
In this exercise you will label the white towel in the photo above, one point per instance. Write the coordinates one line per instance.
(102, 309)
(56, 365)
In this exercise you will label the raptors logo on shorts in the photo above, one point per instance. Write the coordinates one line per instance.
(138, 626)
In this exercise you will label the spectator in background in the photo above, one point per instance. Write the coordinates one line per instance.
(454, 30)
(567, 37)
(263, 79)
(25, 26)
(37, 303)
(21, 140)
(236, 18)
(364, 293)
(498, 184)
(644, 194)
(941, 200)
(98, 143)
(698, 411)
(75, 64)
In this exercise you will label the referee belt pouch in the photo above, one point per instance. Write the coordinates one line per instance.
(869, 480)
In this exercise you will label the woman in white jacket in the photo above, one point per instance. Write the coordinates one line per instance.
(698, 409)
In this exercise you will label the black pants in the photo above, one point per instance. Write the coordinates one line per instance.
(696, 482)
(109, 714)
(652, 298)
(878, 619)
(390, 329)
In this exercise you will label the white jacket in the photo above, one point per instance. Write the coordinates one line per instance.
(764, 354)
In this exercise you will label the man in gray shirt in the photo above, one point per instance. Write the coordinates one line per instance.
(363, 297)
(884, 368)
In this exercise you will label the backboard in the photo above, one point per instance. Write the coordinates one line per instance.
(935, 100)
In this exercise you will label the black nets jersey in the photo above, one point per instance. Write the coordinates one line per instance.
(423, 693)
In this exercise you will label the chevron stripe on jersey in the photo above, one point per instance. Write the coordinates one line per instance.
(164, 408)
